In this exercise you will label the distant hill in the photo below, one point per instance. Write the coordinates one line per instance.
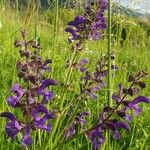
(119, 9)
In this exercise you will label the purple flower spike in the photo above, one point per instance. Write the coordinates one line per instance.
(97, 138)
(45, 84)
(81, 118)
(27, 140)
(133, 104)
(75, 35)
(48, 96)
(19, 92)
(41, 116)
(8, 115)
(117, 97)
(81, 64)
(70, 132)
(13, 127)
(45, 67)
(115, 125)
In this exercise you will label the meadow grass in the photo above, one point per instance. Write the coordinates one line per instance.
(131, 57)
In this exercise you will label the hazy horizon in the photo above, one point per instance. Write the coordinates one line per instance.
(141, 6)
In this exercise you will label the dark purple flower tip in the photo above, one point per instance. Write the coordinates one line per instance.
(92, 95)
(117, 97)
(70, 132)
(13, 126)
(81, 118)
(104, 5)
(19, 92)
(41, 125)
(80, 19)
(128, 117)
(120, 124)
(96, 36)
(48, 96)
(97, 138)
(45, 67)
(81, 64)
(41, 116)
(140, 99)
(39, 109)
(73, 32)
(27, 139)
(45, 84)
(8, 115)
(116, 135)
(136, 101)
(75, 24)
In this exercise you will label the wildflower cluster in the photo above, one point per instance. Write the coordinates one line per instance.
(31, 99)
(91, 82)
(91, 25)
(119, 116)
(33, 94)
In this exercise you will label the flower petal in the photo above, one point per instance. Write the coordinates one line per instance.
(45, 84)
(27, 140)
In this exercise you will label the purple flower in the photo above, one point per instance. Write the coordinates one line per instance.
(19, 92)
(48, 96)
(134, 104)
(97, 138)
(27, 140)
(13, 126)
(41, 117)
(89, 26)
(99, 23)
(45, 67)
(114, 125)
(45, 84)
(81, 64)
(91, 92)
(70, 132)
(81, 118)
(118, 97)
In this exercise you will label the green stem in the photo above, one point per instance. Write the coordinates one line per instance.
(109, 101)
(68, 76)
(109, 53)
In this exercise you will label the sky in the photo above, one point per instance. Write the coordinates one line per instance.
(136, 4)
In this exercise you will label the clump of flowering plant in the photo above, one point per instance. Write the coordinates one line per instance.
(91, 25)
(33, 96)
(119, 116)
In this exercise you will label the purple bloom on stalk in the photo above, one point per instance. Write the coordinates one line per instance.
(45, 65)
(91, 92)
(48, 96)
(70, 132)
(118, 97)
(99, 24)
(89, 26)
(114, 125)
(45, 84)
(97, 138)
(27, 140)
(81, 118)
(81, 64)
(41, 117)
(13, 126)
(134, 104)
(19, 92)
